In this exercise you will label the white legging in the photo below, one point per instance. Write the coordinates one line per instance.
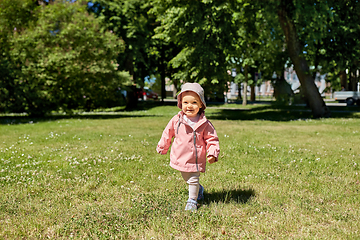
(192, 179)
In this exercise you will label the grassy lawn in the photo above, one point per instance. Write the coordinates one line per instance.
(281, 175)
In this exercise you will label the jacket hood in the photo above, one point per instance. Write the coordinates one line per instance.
(193, 87)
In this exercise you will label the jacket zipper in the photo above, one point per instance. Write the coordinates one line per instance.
(196, 157)
(177, 130)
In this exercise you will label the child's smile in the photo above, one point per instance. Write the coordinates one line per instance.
(191, 104)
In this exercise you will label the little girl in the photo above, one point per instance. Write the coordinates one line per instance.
(195, 139)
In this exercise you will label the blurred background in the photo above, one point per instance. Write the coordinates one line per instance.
(66, 56)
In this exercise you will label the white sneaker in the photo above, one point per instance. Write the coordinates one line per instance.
(191, 205)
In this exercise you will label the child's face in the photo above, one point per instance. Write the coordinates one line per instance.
(191, 104)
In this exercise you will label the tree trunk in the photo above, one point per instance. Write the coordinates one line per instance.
(245, 85)
(316, 103)
(239, 92)
(131, 98)
(282, 90)
(163, 89)
(252, 94)
(175, 90)
(162, 74)
(353, 79)
(343, 79)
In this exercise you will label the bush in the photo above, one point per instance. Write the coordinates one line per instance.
(63, 61)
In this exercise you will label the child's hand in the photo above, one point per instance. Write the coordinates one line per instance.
(211, 159)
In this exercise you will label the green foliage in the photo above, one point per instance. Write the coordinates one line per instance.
(131, 22)
(58, 56)
(216, 36)
(202, 29)
(15, 16)
(212, 34)
(64, 60)
(328, 32)
(331, 28)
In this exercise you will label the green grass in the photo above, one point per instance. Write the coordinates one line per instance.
(281, 175)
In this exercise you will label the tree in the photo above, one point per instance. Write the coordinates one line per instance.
(215, 36)
(246, 44)
(15, 16)
(216, 31)
(286, 13)
(132, 22)
(337, 45)
(64, 61)
(202, 32)
(323, 34)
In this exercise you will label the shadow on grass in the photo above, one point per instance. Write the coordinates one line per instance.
(269, 112)
(240, 196)
(106, 114)
(260, 113)
(12, 120)
(278, 113)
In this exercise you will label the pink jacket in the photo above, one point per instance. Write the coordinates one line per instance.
(190, 147)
